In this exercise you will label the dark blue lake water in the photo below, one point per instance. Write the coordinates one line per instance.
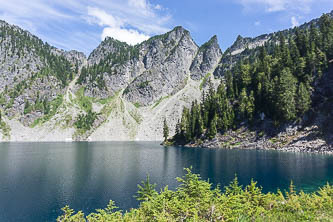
(38, 179)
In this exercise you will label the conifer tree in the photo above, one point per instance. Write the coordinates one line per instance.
(285, 93)
(165, 130)
(146, 191)
(250, 106)
(303, 99)
(245, 76)
(275, 79)
(212, 128)
(199, 127)
(243, 102)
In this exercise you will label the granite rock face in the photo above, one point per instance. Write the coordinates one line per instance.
(152, 70)
(32, 72)
(130, 89)
(41, 85)
(167, 60)
(206, 60)
(123, 65)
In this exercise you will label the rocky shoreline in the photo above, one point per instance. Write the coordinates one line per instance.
(307, 140)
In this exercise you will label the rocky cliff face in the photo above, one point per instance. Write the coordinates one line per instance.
(120, 92)
(206, 60)
(33, 74)
(167, 61)
(146, 83)
(123, 91)
(146, 72)
(243, 48)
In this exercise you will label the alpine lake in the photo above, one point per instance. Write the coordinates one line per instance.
(38, 179)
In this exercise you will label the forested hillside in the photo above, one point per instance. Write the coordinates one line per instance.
(276, 83)
(33, 76)
(122, 92)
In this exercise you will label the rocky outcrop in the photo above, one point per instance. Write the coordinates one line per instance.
(33, 74)
(167, 61)
(242, 48)
(206, 60)
(129, 89)
(293, 139)
(48, 88)
(152, 70)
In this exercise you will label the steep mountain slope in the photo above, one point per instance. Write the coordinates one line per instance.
(120, 92)
(141, 85)
(275, 94)
(245, 47)
(149, 71)
(33, 76)
(206, 60)
(166, 60)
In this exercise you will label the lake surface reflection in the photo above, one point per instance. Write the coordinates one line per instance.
(38, 179)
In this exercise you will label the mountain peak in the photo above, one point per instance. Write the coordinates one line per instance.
(208, 56)
(214, 37)
(213, 40)
(239, 38)
(212, 43)
(179, 30)
(111, 40)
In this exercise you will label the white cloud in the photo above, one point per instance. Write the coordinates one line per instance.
(129, 36)
(278, 5)
(102, 18)
(57, 20)
(257, 23)
(118, 27)
(294, 22)
(132, 21)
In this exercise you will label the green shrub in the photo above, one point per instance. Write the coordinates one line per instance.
(195, 200)
(85, 122)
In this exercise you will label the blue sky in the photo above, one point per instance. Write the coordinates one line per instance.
(83, 24)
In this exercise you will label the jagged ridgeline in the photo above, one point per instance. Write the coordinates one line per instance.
(120, 92)
(271, 80)
(142, 84)
(156, 68)
(124, 92)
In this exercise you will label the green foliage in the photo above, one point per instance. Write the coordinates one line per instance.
(214, 114)
(137, 105)
(204, 80)
(212, 128)
(303, 99)
(159, 101)
(50, 109)
(146, 190)
(276, 79)
(165, 130)
(27, 107)
(286, 92)
(196, 200)
(83, 101)
(22, 43)
(5, 128)
(85, 122)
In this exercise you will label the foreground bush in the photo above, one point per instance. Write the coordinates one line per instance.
(196, 200)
